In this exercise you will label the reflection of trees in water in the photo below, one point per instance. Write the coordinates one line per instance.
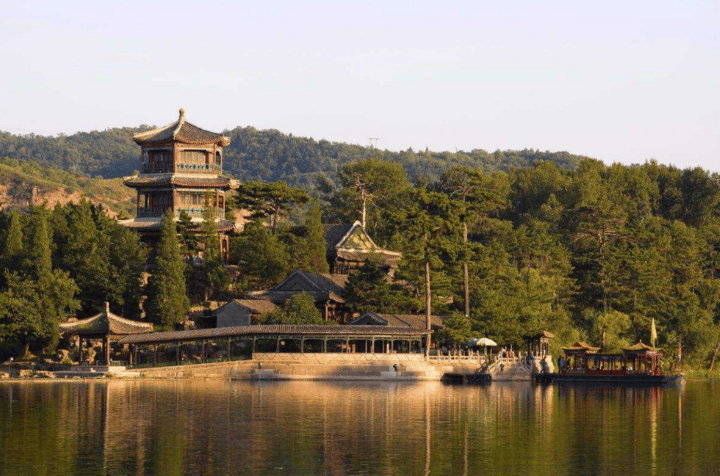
(220, 427)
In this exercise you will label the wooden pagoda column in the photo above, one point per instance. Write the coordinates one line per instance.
(80, 358)
(106, 346)
(156, 354)
(302, 344)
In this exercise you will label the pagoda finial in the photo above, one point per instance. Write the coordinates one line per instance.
(182, 114)
(107, 307)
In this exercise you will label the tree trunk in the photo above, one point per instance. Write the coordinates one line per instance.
(364, 200)
(26, 348)
(428, 299)
(466, 273)
(714, 355)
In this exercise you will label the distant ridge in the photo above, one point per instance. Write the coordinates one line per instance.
(24, 184)
(264, 155)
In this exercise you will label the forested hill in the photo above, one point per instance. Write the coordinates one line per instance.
(24, 183)
(264, 155)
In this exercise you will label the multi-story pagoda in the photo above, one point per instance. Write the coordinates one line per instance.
(180, 170)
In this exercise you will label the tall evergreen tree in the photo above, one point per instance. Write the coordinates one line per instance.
(214, 274)
(167, 302)
(262, 257)
(313, 243)
(12, 253)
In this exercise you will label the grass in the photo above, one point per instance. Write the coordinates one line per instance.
(693, 374)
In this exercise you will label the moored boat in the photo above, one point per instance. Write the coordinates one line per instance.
(639, 364)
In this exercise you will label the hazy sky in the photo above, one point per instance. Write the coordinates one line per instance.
(621, 81)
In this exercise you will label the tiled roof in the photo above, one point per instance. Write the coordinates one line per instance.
(416, 321)
(159, 180)
(335, 233)
(258, 306)
(580, 345)
(240, 331)
(105, 323)
(639, 347)
(322, 286)
(337, 244)
(180, 131)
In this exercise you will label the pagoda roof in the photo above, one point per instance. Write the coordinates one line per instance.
(177, 180)
(180, 131)
(105, 323)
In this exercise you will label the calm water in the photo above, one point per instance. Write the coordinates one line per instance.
(218, 427)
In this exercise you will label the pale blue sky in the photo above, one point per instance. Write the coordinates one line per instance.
(621, 81)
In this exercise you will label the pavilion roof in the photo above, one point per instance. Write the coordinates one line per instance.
(337, 331)
(180, 131)
(580, 345)
(105, 323)
(544, 334)
(640, 347)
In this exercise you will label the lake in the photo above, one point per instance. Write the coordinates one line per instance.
(213, 427)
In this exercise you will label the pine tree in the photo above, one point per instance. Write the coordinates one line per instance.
(167, 302)
(39, 258)
(214, 274)
(313, 244)
(11, 258)
(297, 310)
(263, 259)
(35, 302)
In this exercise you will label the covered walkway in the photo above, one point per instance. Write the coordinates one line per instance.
(235, 343)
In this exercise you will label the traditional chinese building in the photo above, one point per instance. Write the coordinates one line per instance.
(180, 170)
(327, 290)
(348, 245)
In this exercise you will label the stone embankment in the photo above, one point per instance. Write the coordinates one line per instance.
(273, 366)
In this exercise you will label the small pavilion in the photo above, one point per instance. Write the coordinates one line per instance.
(104, 326)
(539, 344)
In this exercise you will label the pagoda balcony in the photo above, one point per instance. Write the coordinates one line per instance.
(199, 168)
(147, 212)
(198, 211)
(158, 168)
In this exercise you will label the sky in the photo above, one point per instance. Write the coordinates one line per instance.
(622, 81)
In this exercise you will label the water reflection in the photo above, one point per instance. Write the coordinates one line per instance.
(218, 427)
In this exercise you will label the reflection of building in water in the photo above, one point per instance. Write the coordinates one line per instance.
(220, 427)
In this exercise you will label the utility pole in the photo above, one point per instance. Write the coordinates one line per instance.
(373, 142)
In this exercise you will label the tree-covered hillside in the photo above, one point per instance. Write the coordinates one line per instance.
(262, 155)
(25, 183)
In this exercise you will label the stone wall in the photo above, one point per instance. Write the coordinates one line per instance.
(273, 366)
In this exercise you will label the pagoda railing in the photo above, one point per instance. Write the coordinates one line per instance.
(158, 168)
(198, 211)
(144, 212)
(199, 168)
